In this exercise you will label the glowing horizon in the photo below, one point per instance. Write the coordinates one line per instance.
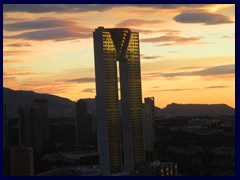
(187, 51)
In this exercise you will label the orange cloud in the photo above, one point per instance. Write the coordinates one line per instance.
(175, 39)
(137, 22)
(14, 53)
(9, 61)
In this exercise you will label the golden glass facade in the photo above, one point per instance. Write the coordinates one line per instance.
(110, 46)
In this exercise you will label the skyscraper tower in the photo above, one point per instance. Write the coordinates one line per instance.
(148, 121)
(110, 46)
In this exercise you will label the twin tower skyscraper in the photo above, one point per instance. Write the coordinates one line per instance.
(120, 127)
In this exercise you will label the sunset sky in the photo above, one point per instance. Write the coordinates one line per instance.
(187, 51)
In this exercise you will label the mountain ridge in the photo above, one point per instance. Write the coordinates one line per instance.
(64, 107)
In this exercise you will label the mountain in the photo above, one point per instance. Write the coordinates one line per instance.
(196, 110)
(63, 107)
(57, 106)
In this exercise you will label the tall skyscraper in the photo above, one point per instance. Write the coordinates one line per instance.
(110, 46)
(148, 120)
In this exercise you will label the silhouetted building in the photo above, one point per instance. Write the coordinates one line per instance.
(148, 120)
(6, 151)
(22, 161)
(84, 124)
(30, 127)
(110, 46)
(44, 124)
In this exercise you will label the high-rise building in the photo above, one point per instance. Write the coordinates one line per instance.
(44, 124)
(83, 124)
(29, 127)
(22, 161)
(112, 46)
(148, 120)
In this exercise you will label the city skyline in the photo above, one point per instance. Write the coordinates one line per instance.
(187, 51)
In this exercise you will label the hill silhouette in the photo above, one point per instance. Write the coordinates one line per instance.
(63, 107)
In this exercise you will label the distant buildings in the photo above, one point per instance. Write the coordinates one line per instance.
(148, 120)
(29, 127)
(84, 123)
(44, 124)
(112, 46)
(22, 162)
(33, 125)
(6, 150)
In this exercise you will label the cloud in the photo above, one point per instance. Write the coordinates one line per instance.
(228, 37)
(217, 87)
(76, 8)
(177, 89)
(213, 71)
(13, 70)
(57, 8)
(19, 44)
(48, 29)
(82, 80)
(202, 17)
(170, 31)
(57, 34)
(166, 44)
(137, 22)
(190, 67)
(89, 90)
(41, 23)
(175, 39)
(143, 31)
(150, 57)
(13, 53)
(8, 61)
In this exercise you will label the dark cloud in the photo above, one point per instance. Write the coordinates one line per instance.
(166, 44)
(213, 71)
(202, 17)
(175, 39)
(150, 57)
(178, 89)
(57, 8)
(58, 34)
(190, 67)
(89, 90)
(216, 87)
(41, 23)
(19, 44)
(82, 80)
(137, 22)
(73, 8)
